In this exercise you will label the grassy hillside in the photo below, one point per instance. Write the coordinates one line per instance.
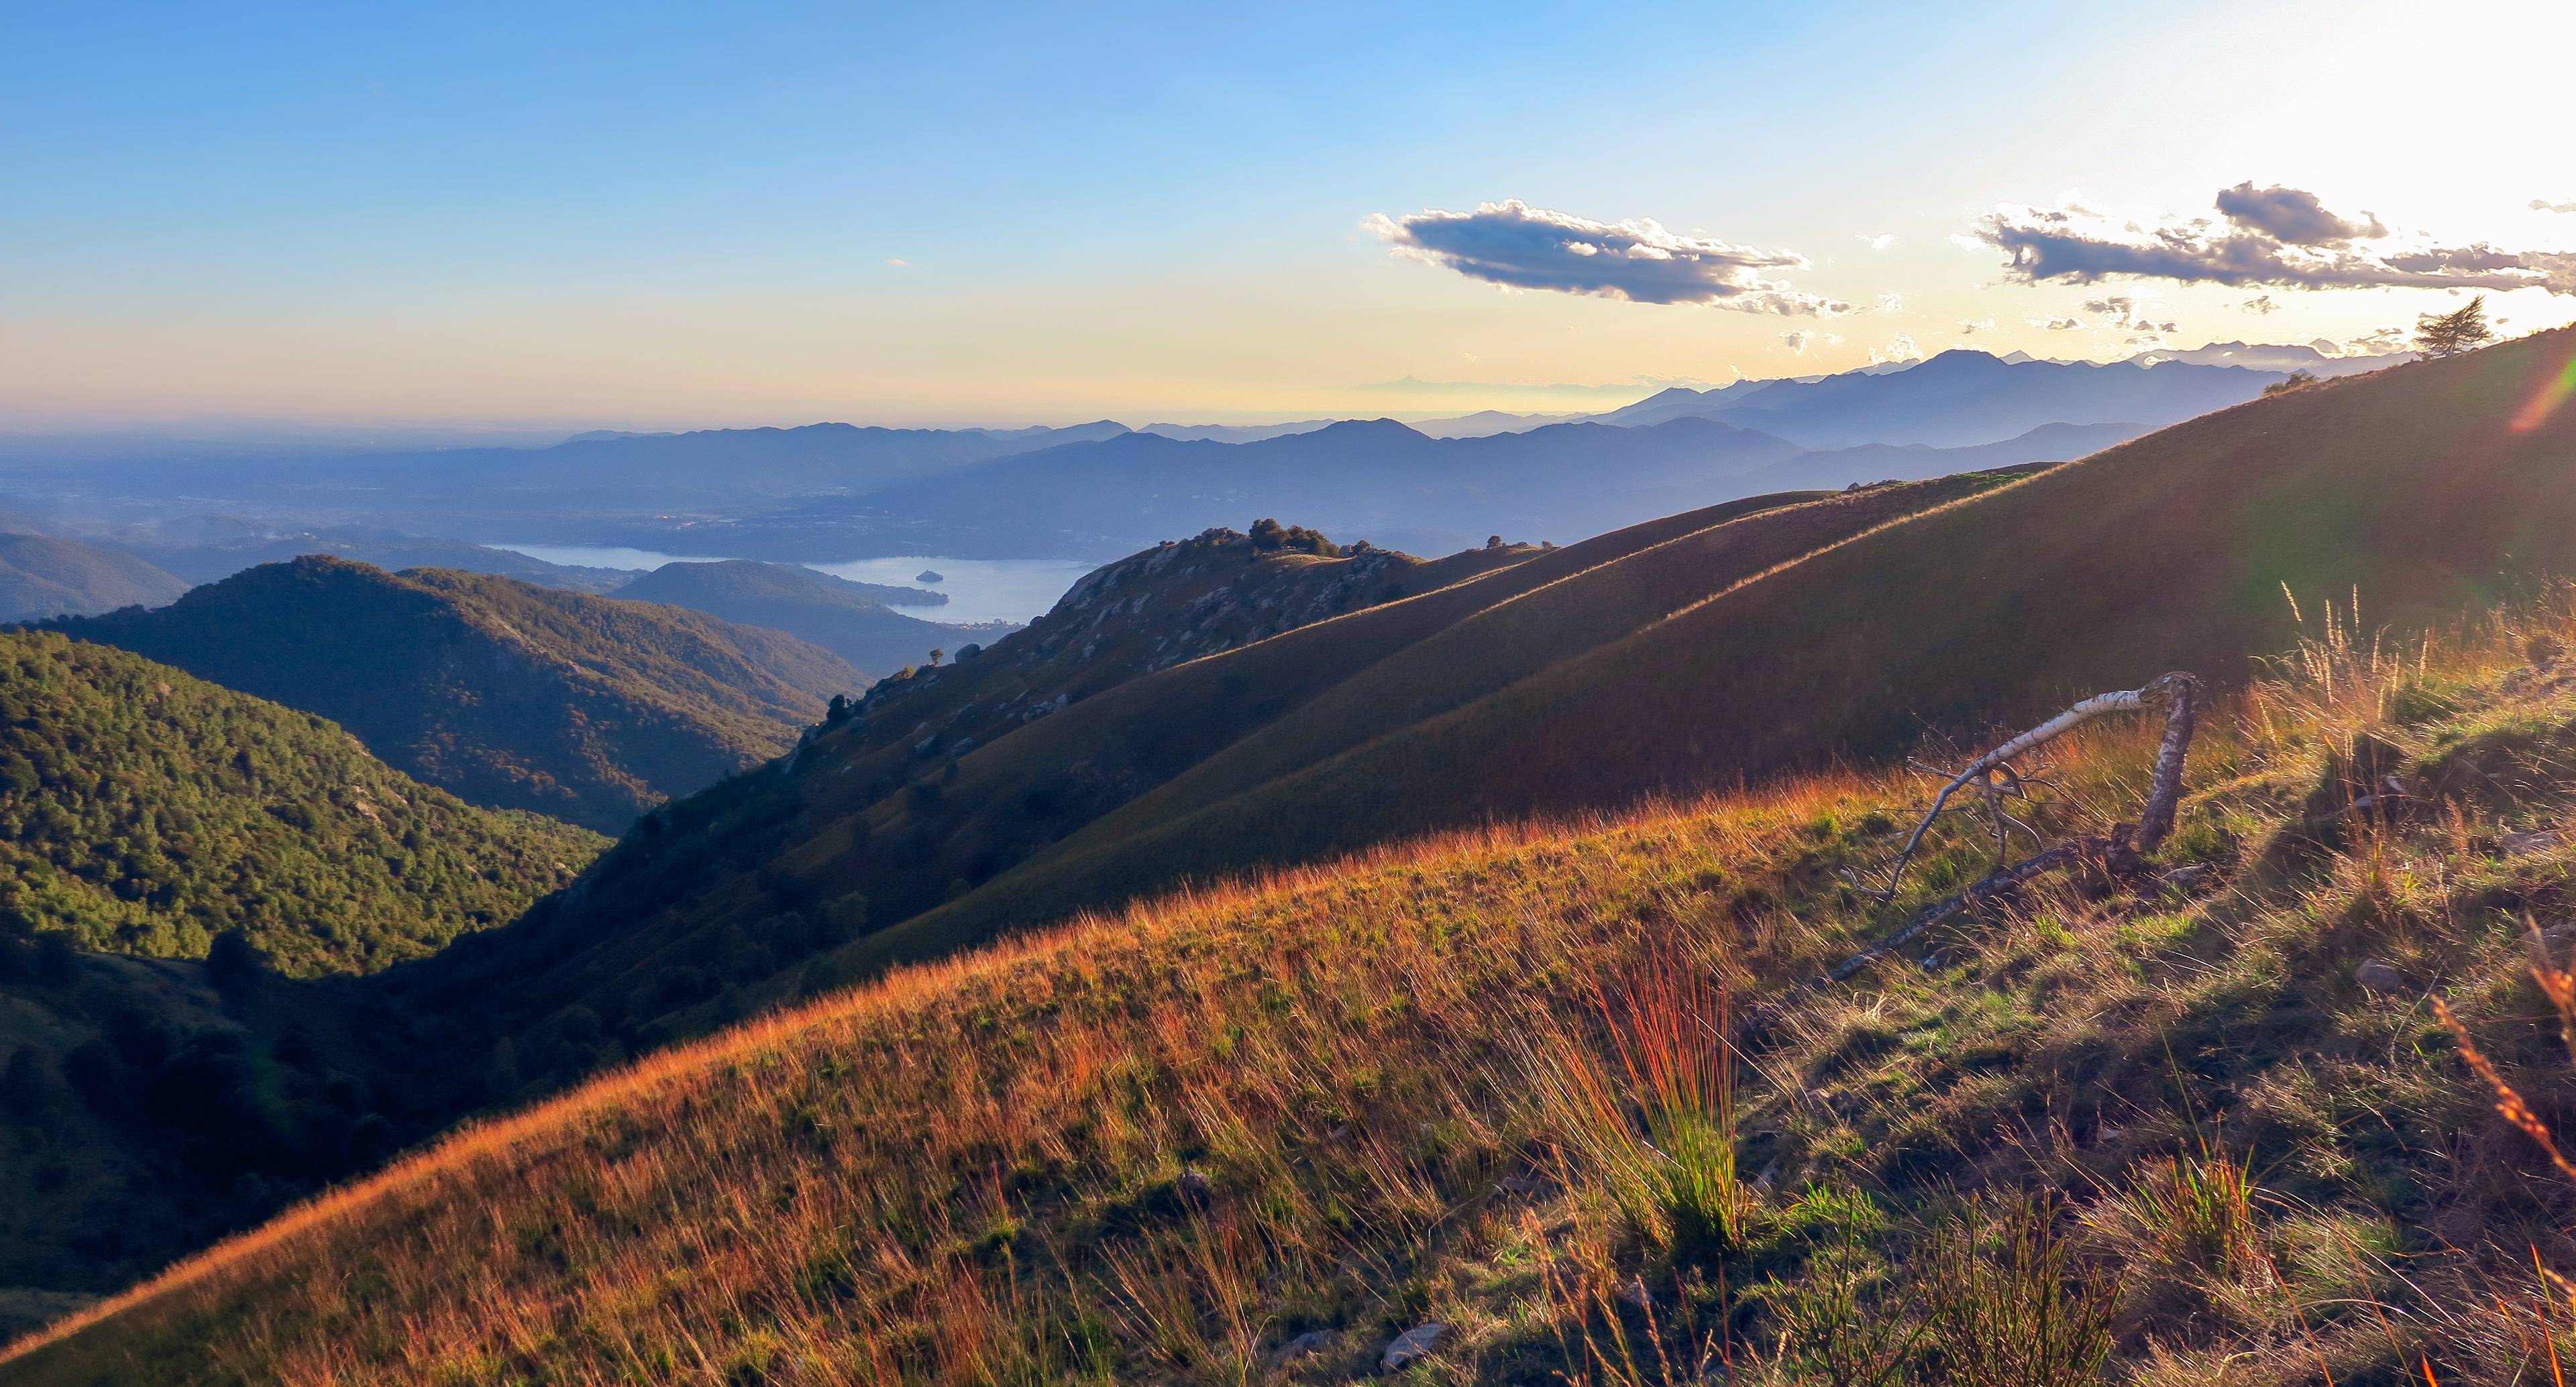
(702, 914)
(2417, 488)
(145, 811)
(1553, 1102)
(589, 709)
(852, 620)
(725, 901)
(41, 576)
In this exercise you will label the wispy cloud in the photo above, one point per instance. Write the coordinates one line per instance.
(1798, 338)
(1524, 247)
(1885, 239)
(2542, 204)
(2057, 324)
(2260, 304)
(2281, 237)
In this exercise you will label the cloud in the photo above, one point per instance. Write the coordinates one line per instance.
(2057, 324)
(1798, 338)
(1974, 326)
(2122, 310)
(1524, 247)
(1888, 238)
(2260, 304)
(1899, 348)
(2542, 204)
(2274, 237)
(2293, 216)
(1891, 303)
(898, 264)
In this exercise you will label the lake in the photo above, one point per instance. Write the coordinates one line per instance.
(978, 589)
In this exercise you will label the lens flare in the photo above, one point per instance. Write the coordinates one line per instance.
(2551, 396)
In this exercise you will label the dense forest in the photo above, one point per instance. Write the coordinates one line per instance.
(508, 695)
(144, 811)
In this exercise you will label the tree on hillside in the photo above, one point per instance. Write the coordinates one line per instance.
(937, 655)
(2449, 334)
(2296, 380)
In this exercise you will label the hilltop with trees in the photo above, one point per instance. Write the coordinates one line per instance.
(508, 695)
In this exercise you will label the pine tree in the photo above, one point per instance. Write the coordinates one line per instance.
(2448, 334)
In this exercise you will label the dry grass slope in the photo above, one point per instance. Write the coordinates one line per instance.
(1542, 1086)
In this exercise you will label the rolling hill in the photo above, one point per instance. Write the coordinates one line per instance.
(589, 709)
(852, 620)
(144, 811)
(2426, 489)
(1736, 645)
(1458, 1102)
(41, 576)
(1694, 652)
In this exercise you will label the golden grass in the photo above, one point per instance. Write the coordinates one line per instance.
(1479, 1079)
(951, 1086)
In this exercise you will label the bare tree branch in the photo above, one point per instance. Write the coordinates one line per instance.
(2178, 689)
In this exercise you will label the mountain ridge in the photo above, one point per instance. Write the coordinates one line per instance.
(506, 694)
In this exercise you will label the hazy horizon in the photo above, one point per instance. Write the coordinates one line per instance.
(584, 217)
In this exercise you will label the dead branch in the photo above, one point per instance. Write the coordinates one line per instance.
(2179, 691)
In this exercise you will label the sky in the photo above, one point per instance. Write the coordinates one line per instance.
(641, 216)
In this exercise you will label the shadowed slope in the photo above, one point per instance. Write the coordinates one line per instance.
(509, 695)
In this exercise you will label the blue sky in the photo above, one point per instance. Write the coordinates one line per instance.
(660, 215)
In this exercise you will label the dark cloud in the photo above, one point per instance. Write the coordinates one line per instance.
(2260, 304)
(2292, 216)
(2255, 248)
(1524, 247)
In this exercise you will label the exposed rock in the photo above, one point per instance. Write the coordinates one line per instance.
(1305, 1345)
(1196, 1187)
(1517, 1184)
(2381, 977)
(1635, 1293)
(1411, 1346)
(2537, 841)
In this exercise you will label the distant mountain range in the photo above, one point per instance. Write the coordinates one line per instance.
(505, 694)
(1373, 479)
(1958, 399)
(831, 492)
(2319, 358)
